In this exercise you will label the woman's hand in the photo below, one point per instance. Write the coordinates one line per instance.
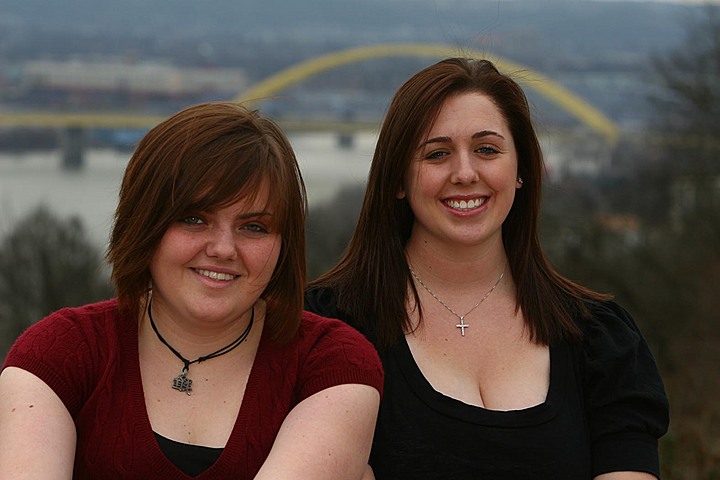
(37, 434)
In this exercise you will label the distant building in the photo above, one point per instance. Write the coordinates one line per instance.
(627, 227)
(694, 194)
(572, 152)
(86, 83)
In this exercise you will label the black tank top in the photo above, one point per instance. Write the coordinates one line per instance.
(191, 459)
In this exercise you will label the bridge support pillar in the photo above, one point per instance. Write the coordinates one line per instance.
(346, 141)
(72, 147)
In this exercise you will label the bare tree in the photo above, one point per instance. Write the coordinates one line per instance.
(680, 265)
(330, 227)
(45, 264)
(687, 113)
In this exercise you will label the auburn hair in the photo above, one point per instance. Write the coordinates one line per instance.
(205, 157)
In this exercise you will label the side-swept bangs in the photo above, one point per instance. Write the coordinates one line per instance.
(200, 159)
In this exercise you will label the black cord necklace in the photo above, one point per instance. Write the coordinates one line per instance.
(182, 383)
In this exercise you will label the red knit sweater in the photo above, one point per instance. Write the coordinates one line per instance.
(89, 357)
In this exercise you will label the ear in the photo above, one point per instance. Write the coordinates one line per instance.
(400, 194)
(519, 183)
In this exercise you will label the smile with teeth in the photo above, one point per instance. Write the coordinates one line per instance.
(465, 204)
(215, 275)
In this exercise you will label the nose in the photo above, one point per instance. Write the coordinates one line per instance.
(221, 243)
(464, 169)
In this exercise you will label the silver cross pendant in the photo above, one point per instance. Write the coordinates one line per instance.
(462, 326)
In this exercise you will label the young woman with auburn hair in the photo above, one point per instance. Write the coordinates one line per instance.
(205, 364)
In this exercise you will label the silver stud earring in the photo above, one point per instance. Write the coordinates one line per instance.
(520, 180)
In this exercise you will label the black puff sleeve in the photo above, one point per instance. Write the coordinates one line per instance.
(627, 407)
(323, 301)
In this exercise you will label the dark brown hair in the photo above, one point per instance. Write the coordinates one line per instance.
(371, 279)
(204, 157)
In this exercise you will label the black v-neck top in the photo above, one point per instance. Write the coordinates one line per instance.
(191, 459)
(605, 410)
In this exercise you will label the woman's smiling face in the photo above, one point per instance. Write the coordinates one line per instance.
(215, 265)
(462, 179)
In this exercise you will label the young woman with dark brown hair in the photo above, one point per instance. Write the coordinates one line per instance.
(496, 365)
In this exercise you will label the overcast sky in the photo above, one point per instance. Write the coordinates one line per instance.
(695, 2)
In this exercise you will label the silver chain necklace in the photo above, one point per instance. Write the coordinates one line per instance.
(462, 325)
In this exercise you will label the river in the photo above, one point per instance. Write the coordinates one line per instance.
(28, 180)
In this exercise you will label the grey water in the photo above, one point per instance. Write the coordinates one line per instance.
(28, 180)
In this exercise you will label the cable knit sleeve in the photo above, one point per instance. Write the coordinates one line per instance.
(625, 398)
(338, 354)
(62, 350)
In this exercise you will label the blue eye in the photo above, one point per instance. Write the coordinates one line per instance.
(255, 227)
(192, 220)
(487, 150)
(435, 155)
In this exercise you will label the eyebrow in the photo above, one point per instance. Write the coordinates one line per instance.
(486, 133)
(261, 213)
(480, 134)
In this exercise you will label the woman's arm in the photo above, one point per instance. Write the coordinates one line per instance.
(626, 476)
(369, 474)
(326, 436)
(37, 433)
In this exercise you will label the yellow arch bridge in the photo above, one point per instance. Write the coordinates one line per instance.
(73, 123)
